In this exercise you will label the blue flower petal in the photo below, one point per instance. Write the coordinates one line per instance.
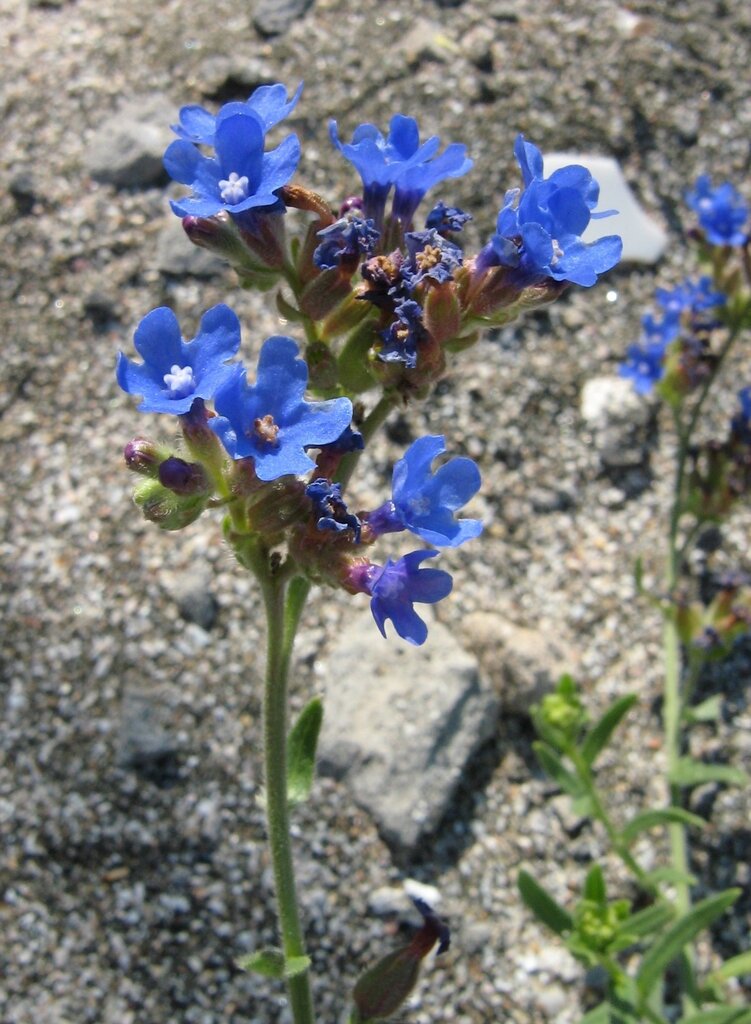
(196, 125)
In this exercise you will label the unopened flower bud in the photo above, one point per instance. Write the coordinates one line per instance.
(168, 510)
(441, 312)
(380, 991)
(324, 293)
(184, 478)
(144, 456)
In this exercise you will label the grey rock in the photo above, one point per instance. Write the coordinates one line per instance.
(144, 741)
(522, 663)
(621, 421)
(218, 72)
(192, 594)
(178, 257)
(127, 149)
(426, 41)
(402, 729)
(273, 17)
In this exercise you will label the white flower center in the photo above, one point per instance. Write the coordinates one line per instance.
(180, 381)
(557, 252)
(234, 189)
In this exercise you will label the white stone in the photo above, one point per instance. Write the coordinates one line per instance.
(644, 240)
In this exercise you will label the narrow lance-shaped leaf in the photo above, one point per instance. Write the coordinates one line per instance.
(597, 738)
(695, 773)
(301, 752)
(719, 1015)
(669, 945)
(660, 816)
(555, 768)
(648, 921)
(543, 905)
(733, 967)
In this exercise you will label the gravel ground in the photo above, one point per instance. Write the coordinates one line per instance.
(127, 895)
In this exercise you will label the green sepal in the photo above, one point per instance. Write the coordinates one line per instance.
(542, 904)
(688, 772)
(660, 816)
(272, 963)
(354, 360)
(301, 752)
(670, 944)
(288, 311)
(597, 738)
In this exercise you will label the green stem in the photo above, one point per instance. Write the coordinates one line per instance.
(278, 645)
(600, 812)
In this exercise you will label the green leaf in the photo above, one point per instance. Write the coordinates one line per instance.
(733, 967)
(708, 711)
(600, 1015)
(669, 945)
(594, 886)
(295, 965)
(597, 738)
(719, 1015)
(662, 816)
(694, 773)
(543, 905)
(269, 962)
(301, 752)
(552, 764)
(671, 875)
(648, 921)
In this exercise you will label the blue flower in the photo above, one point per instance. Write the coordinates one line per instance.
(270, 422)
(399, 160)
(396, 586)
(430, 256)
(693, 296)
(332, 509)
(644, 366)
(721, 211)
(400, 340)
(347, 239)
(268, 102)
(241, 177)
(175, 373)
(446, 218)
(539, 228)
(425, 503)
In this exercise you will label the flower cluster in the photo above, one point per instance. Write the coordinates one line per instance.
(686, 321)
(383, 303)
(267, 430)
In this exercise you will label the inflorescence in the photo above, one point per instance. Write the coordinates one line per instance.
(383, 303)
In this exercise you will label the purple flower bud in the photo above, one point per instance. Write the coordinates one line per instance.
(144, 456)
(183, 477)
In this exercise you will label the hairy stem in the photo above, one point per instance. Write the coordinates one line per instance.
(279, 645)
